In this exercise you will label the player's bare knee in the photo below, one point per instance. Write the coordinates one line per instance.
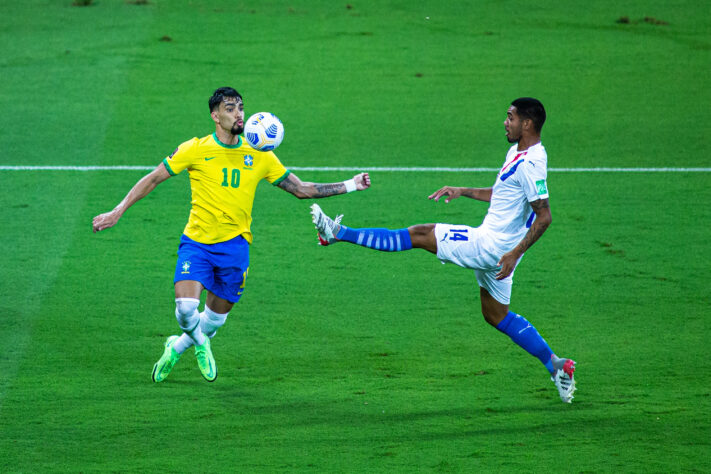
(423, 237)
(420, 230)
(490, 318)
(494, 315)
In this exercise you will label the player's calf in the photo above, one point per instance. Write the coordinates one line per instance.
(211, 321)
(527, 337)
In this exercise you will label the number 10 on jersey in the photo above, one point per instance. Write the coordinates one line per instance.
(230, 180)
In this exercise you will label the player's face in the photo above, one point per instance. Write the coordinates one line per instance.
(513, 125)
(230, 115)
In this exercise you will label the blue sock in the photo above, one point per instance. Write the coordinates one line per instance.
(379, 239)
(525, 335)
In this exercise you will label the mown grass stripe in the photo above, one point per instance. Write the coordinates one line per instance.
(370, 169)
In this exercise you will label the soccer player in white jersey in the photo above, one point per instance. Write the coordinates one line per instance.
(518, 215)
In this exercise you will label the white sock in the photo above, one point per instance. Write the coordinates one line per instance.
(189, 319)
(211, 321)
(183, 343)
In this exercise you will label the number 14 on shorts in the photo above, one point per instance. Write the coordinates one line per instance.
(455, 235)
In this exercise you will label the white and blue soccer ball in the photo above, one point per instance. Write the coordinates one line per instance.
(264, 131)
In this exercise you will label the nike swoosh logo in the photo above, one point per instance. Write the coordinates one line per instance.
(211, 158)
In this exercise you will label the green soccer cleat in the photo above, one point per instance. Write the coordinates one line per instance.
(206, 361)
(165, 364)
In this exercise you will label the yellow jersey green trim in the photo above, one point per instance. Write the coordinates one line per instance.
(239, 142)
(283, 177)
(167, 167)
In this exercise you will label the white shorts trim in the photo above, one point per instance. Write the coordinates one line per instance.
(472, 247)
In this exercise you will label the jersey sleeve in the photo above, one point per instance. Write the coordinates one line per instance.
(533, 181)
(182, 157)
(276, 172)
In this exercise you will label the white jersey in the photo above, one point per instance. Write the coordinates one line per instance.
(521, 180)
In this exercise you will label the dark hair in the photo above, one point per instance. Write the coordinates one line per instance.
(530, 108)
(219, 95)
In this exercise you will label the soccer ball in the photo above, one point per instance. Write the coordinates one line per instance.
(264, 131)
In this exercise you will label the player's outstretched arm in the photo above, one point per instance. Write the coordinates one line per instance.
(540, 224)
(305, 190)
(452, 192)
(140, 190)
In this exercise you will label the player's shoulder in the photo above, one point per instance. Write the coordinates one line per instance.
(537, 152)
(536, 162)
(188, 145)
(536, 155)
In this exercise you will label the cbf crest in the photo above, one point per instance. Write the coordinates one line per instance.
(248, 161)
(186, 267)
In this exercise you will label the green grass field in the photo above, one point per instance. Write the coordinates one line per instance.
(343, 359)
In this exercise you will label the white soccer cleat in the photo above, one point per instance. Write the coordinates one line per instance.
(563, 378)
(324, 225)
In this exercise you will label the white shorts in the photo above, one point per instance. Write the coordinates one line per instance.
(471, 247)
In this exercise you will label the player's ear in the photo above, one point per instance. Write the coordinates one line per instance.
(527, 124)
(214, 116)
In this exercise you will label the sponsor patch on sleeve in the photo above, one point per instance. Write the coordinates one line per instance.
(541, 187)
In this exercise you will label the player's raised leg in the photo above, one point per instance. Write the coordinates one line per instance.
(386, 240)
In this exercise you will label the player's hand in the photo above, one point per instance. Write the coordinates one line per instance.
(507, 264)
(362, 181)
(450, 191)
(105, 220)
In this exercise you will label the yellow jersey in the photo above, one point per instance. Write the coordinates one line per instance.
(223, 180)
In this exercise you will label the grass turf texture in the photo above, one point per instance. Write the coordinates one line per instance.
(344, 359)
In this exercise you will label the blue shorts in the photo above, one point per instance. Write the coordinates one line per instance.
(221, 267)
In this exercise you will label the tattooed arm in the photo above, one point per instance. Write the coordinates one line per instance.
(540, 224)
(306, 190)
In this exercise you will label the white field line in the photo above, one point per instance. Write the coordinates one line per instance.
(369, 169)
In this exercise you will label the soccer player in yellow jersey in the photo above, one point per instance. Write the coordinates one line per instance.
(214, 249)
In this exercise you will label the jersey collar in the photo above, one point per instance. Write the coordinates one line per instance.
(217, 140)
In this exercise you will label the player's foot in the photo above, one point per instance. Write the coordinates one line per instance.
(165, 364)
(563, 377)
(327, 228)
(206, 361)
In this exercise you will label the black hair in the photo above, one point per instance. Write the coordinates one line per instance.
(219, 95)
(530, 108)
